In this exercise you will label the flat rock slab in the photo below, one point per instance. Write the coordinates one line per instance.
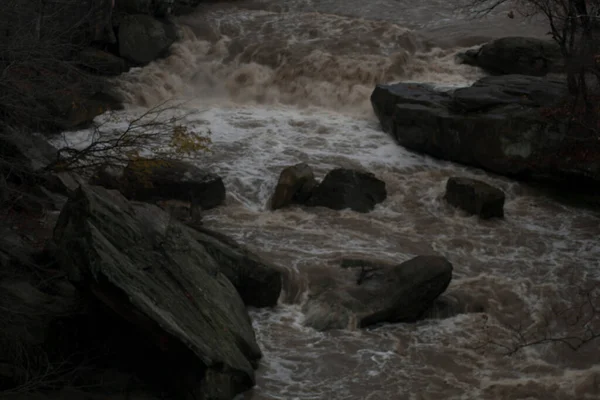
(517, 55)
(151, 270)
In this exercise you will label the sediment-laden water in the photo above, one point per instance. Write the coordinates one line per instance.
(279, 82)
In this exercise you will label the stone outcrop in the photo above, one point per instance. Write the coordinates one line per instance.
(295, 186)
(143, 38)
(367, 293)
(516, 55)
(499, 123)
(152, 180)
(475, 197)
(153, 272)
(101, 62)
(258, 283)
(345, 188)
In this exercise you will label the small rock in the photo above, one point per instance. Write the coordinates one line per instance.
(295, 186)
(347, 188)
(475, 197)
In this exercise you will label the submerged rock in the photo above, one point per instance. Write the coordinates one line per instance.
(347, 188)
(517, 55)
(499, 123)
(377, 293)
(295, 186)
(475, 197)
(153, 272)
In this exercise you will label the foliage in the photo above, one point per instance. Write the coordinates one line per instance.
(150, 140)
(39, 76)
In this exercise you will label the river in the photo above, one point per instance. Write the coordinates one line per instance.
(279, 82)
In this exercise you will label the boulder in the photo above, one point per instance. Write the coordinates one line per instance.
(152, 272)
(109, 177)
(295, 186)
(257, 282)
(517, 55)
(499, 123)
(143, 38)
(158, 8)
(377, 293)
(154, 180)
(24, 156)
(101, 62)
(347, 188)
(77, 110)
(475, 197)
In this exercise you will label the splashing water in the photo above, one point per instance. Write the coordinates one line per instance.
(278, 83)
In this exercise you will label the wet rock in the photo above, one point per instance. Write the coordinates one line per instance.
(295, 186)
(24, 156)
(258, 283)
(109, 177)
(517, 55)
(498, 124)
(346, 188)
(101, 62)
(77, 109)
(143, 39)
(371, 293)
(152, 272)
(158, 8)
(152, 180)
(475, 197)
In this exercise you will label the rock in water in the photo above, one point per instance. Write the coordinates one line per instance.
(401, 293)
(258, 283)
(500, 123)
(475, 197)
(143, 38)
(295, 186)
(347, 188)
(152, 271)
(150, 180)
(517, 55)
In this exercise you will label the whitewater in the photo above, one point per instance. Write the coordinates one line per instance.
(279, 82)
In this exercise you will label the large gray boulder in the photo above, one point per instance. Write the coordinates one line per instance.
(499, 123)
(143, 39)
(151, 271)
(370, 293)
(346, 188)
(517, 55)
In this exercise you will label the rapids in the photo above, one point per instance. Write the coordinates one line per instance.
(279, 82)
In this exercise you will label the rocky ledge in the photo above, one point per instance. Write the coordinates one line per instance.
(500, 123)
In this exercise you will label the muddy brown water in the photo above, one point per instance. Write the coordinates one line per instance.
(279, 82)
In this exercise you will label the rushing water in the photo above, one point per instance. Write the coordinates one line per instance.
(279, 82)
